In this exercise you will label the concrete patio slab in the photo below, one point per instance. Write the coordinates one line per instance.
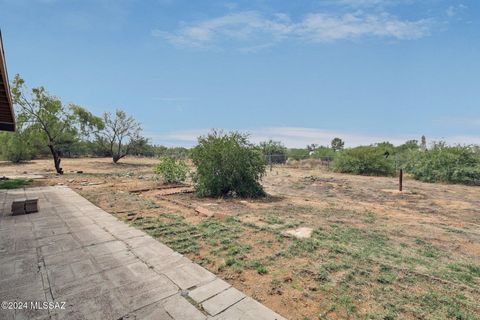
(222, 301)
(89, 265)
(208, 290)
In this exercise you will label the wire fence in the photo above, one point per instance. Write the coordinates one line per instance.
(284, 160)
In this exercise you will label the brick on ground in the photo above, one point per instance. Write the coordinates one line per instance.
(31, 205)
(18, 206)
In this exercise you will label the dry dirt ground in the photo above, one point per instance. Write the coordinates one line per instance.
(374, 253)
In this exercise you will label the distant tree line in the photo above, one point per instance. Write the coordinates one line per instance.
(46, 127)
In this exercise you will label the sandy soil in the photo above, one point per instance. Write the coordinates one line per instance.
(431, 231)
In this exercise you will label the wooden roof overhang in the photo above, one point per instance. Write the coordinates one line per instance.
(7, 118)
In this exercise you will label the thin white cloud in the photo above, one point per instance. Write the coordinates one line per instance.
(370, 3)
(324, 27)
(455, 10)
(237, 26)
(256, 30)
(459, 122)
(462, 139)
(230, 5)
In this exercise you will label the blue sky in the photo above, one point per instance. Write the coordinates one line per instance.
(297, 71)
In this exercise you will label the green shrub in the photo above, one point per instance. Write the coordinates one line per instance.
(172, 170)
(16, 147)
(174, 152)
(323, 152)
(257, 265)
(227, 165)
(410, 145)
(298, 154)
(442, 163)
(365, 160)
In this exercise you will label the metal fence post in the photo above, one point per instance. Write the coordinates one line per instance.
(400, 180)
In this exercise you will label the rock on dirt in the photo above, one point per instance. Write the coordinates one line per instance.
(204, 212)
(301, 233)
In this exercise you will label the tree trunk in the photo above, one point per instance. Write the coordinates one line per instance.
(117, 156)
(56, 159)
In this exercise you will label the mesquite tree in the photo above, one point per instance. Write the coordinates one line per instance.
(120, 134)
(55, 123)
(337, 144)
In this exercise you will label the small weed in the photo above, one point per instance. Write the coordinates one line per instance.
(151, 205)
(272, 219)
(429, 251)
(349, 276)
(335, 266)
(474, 269)
(419, 241)
(464, 272)
(450, 305)
(370, 218)
(348, 304)
(205, 261)
(257, 265)
(275, 286)
(323, 274)
(300, 246)
(386, 277)
(337, 249)
(231, 261)
(455, 230)
(261, 270)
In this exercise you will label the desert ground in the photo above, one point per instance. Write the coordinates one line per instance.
(369, 251)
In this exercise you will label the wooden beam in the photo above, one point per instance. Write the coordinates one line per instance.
(6, 105)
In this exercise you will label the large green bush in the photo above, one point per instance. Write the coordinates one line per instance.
(442, 163)
(365, 160)
(227, 165)
(405, 153)
(172, 170)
